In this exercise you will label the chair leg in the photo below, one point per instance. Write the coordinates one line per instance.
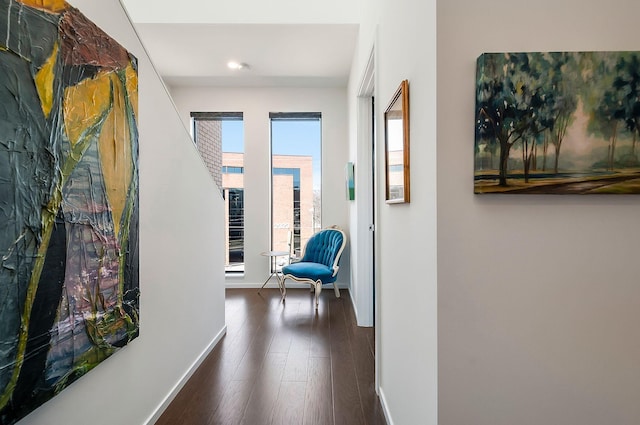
(336, 290)
(318, 286)
(283, 288)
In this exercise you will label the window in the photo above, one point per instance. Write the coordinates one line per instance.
(219, 137)
(296, 177)
(235, 229)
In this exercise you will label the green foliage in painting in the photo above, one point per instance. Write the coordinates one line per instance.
(553, 122)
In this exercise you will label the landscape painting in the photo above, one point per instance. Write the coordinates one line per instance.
(557, 123)
(69, 286)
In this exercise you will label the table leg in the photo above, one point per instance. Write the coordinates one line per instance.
(265, 282)
(273, 272)
(279, 278)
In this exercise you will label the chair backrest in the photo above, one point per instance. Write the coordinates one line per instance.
(325, 247)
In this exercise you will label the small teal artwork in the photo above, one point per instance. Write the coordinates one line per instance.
(351, 185)
(557, 123)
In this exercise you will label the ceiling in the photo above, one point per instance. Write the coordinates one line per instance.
(292, 55)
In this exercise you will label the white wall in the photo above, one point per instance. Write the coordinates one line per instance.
(256, 103)
(538, 295)
(405, 38)
(181, 262)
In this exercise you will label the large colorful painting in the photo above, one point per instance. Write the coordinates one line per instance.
(68, 200)
(563, 122)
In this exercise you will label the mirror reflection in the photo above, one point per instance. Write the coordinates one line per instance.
(396, 147)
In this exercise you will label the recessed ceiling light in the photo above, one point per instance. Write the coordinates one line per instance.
(237, 65)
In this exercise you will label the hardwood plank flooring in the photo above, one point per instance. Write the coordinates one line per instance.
(284, 364)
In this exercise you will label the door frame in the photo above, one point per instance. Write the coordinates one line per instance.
(365, 206)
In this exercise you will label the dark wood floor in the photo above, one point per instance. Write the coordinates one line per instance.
(284, 364)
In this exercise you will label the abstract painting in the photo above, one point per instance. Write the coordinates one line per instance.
(69, 292)
(557, 123)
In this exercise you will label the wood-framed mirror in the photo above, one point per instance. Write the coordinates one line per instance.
(396, 146)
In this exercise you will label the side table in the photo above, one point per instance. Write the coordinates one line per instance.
(274, 272)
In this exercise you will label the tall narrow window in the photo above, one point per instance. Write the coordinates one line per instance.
(219, 137)
(296, 164)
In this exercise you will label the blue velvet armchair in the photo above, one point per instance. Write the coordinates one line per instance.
(319, 264)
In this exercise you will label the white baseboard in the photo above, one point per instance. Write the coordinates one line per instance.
(385, 409)
(183, 380)
(353, 304)
(290, 285)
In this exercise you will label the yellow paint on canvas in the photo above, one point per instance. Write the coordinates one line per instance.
(132, 87)
(84, 103)
(50, 5)
(44, 81)
(115, 154)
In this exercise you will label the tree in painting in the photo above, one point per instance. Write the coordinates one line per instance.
(68, 200)
(627, 89)
(560, 122)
